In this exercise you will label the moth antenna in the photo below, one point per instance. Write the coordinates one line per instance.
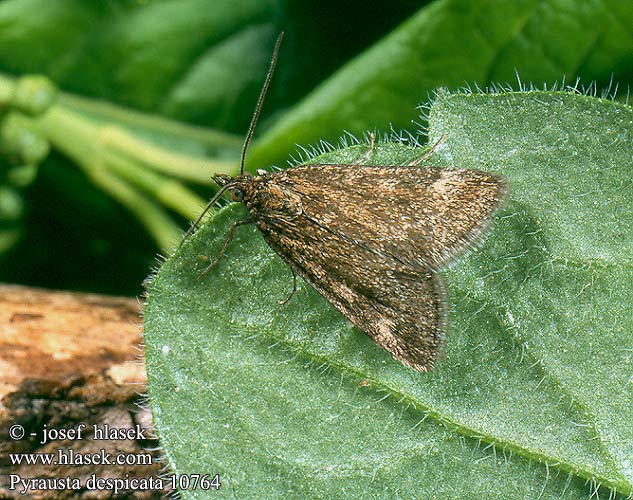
(194, 226)
(249, 136)
(260, 101)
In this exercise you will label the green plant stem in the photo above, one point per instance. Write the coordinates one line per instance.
(109, 112)
(170, 193)
(165, 232)
(189, 168)
(77, 137)
(6, 90)
(100, 139)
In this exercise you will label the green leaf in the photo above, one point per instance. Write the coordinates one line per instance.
(534, 396)
(452, 43)
(144, 55)
(202, 61)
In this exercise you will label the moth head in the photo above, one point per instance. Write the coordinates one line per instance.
(234, 185)
(222, 179)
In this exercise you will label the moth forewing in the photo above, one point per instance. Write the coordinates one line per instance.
(370, 239)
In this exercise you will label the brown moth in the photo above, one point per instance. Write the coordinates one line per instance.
(371, 239)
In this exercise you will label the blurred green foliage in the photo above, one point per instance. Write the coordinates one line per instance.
(118, 184)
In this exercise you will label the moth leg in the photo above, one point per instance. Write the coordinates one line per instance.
(229, 237)
(368, 153)
(430, 152)
(294, 288)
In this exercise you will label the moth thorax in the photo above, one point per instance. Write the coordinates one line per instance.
(278, 198)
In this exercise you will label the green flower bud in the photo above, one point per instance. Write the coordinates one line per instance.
(22, 175)
(21, 144)
(34, 94)
(11, 204)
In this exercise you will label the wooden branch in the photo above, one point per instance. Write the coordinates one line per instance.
(54, 335)
(69, 360)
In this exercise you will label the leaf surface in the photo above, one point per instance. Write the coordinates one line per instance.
(534, 395)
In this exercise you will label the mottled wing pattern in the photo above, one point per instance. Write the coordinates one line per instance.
(459, 209)
(403, 309)
(370, 239)
(423, 215)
